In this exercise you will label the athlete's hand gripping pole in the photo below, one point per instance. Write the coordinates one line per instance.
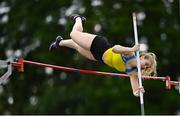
(138, 65)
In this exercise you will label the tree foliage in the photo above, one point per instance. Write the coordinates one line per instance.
(28, 27)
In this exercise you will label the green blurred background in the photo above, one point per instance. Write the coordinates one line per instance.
(27, 27)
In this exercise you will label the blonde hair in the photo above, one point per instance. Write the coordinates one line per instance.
(150, 71)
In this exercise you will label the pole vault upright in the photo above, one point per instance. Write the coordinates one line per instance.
(138, 65)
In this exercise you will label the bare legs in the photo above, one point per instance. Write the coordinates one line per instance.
(71, 44)
(84, 40)
(80, 41)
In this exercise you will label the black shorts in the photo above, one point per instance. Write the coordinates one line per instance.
(99, 46)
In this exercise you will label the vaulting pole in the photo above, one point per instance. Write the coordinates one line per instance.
(138, 64)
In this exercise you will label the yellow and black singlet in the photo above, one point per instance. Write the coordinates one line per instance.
(119, 61)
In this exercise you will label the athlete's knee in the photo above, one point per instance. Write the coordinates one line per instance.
(74, 34)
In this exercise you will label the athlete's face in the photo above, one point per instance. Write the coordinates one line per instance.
(145, 62)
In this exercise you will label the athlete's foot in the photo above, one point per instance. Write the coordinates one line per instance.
(74, 16)
(55, 44)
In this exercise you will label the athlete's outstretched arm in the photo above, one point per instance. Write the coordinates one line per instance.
(125, 50)
(135, 85)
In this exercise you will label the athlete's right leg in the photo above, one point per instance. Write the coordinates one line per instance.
(84, 40)
(71, 44)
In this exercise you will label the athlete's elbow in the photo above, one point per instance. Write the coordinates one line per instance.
(116, 49)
